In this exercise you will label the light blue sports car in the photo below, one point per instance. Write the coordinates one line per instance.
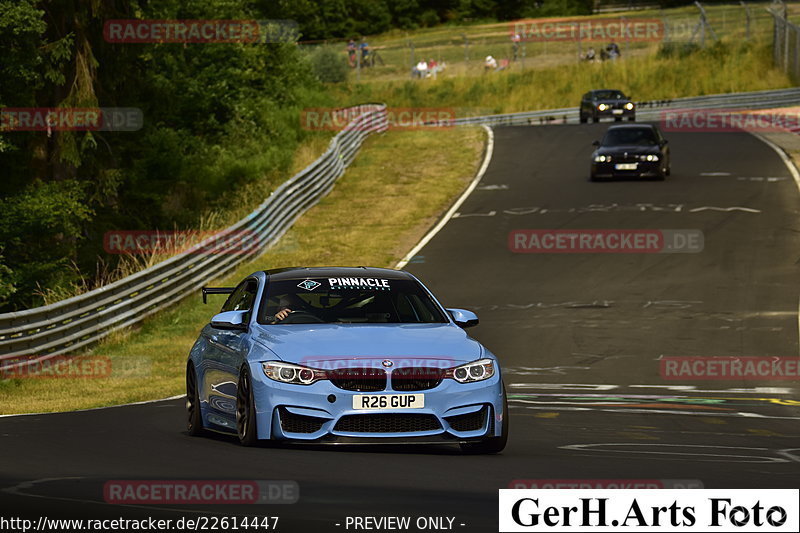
(344, 355)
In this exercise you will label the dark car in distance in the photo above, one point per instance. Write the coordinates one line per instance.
(606, 103)
(631, 151)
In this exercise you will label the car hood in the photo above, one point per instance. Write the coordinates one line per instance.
(372, 343)
(633, 149)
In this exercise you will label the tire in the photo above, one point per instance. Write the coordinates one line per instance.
(491, 445)
(594, 119)
(245, 410)
(582, 119)
(194, 418)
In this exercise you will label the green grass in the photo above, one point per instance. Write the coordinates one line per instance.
(398, 186)
(725, 67)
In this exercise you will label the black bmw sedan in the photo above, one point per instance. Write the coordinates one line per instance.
(631, 151)
(606, 103)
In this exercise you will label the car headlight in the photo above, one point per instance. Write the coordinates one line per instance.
(648, 157)
(602, 107)
(289, 373)
(471, 372)
(629, 106)
(602, 158)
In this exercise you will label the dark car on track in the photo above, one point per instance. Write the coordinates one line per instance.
(631, 151)
(606, 103)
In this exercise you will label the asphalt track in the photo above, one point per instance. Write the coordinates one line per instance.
(579, 335)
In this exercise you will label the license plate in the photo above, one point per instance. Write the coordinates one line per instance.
(616, 111)
(625, 166)
(388, 401)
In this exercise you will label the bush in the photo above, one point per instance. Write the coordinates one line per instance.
(429, 18)
(678, 50)
(329, 66)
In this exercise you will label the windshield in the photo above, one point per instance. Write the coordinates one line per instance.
(609, 95)
(630, 137)
(348, 300)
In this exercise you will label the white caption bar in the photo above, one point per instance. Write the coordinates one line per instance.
(659, 510)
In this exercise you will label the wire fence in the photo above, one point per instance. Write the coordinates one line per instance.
(785, 41)
(458, 51)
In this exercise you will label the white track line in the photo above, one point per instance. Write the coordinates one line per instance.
(487, 158)
(796, 175)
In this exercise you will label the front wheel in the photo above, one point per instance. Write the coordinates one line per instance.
(582, 118)
(491, 445)
(245, 410)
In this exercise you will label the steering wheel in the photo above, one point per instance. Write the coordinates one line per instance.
(301, 317)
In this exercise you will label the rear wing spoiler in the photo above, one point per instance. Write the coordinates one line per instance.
(215, 290)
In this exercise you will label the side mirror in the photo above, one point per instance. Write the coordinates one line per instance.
(463, 318)
(232, 320)
(664, 142)
(596, 144)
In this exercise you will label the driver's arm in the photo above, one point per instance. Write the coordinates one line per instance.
(283, 313)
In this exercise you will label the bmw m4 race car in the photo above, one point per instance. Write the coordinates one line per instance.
(344, 355)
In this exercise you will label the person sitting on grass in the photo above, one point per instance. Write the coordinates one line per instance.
(421, 70)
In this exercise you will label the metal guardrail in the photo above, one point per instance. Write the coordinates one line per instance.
(649, 110)
(45, 332)
(62, 327)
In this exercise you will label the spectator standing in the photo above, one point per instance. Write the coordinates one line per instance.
(351, 53)
(515, 41)
(364, 46)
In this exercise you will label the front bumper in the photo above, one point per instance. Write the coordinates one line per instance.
(615, 113)
(644, 169)
(322, 412)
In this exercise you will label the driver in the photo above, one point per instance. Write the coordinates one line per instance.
(287, 304)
